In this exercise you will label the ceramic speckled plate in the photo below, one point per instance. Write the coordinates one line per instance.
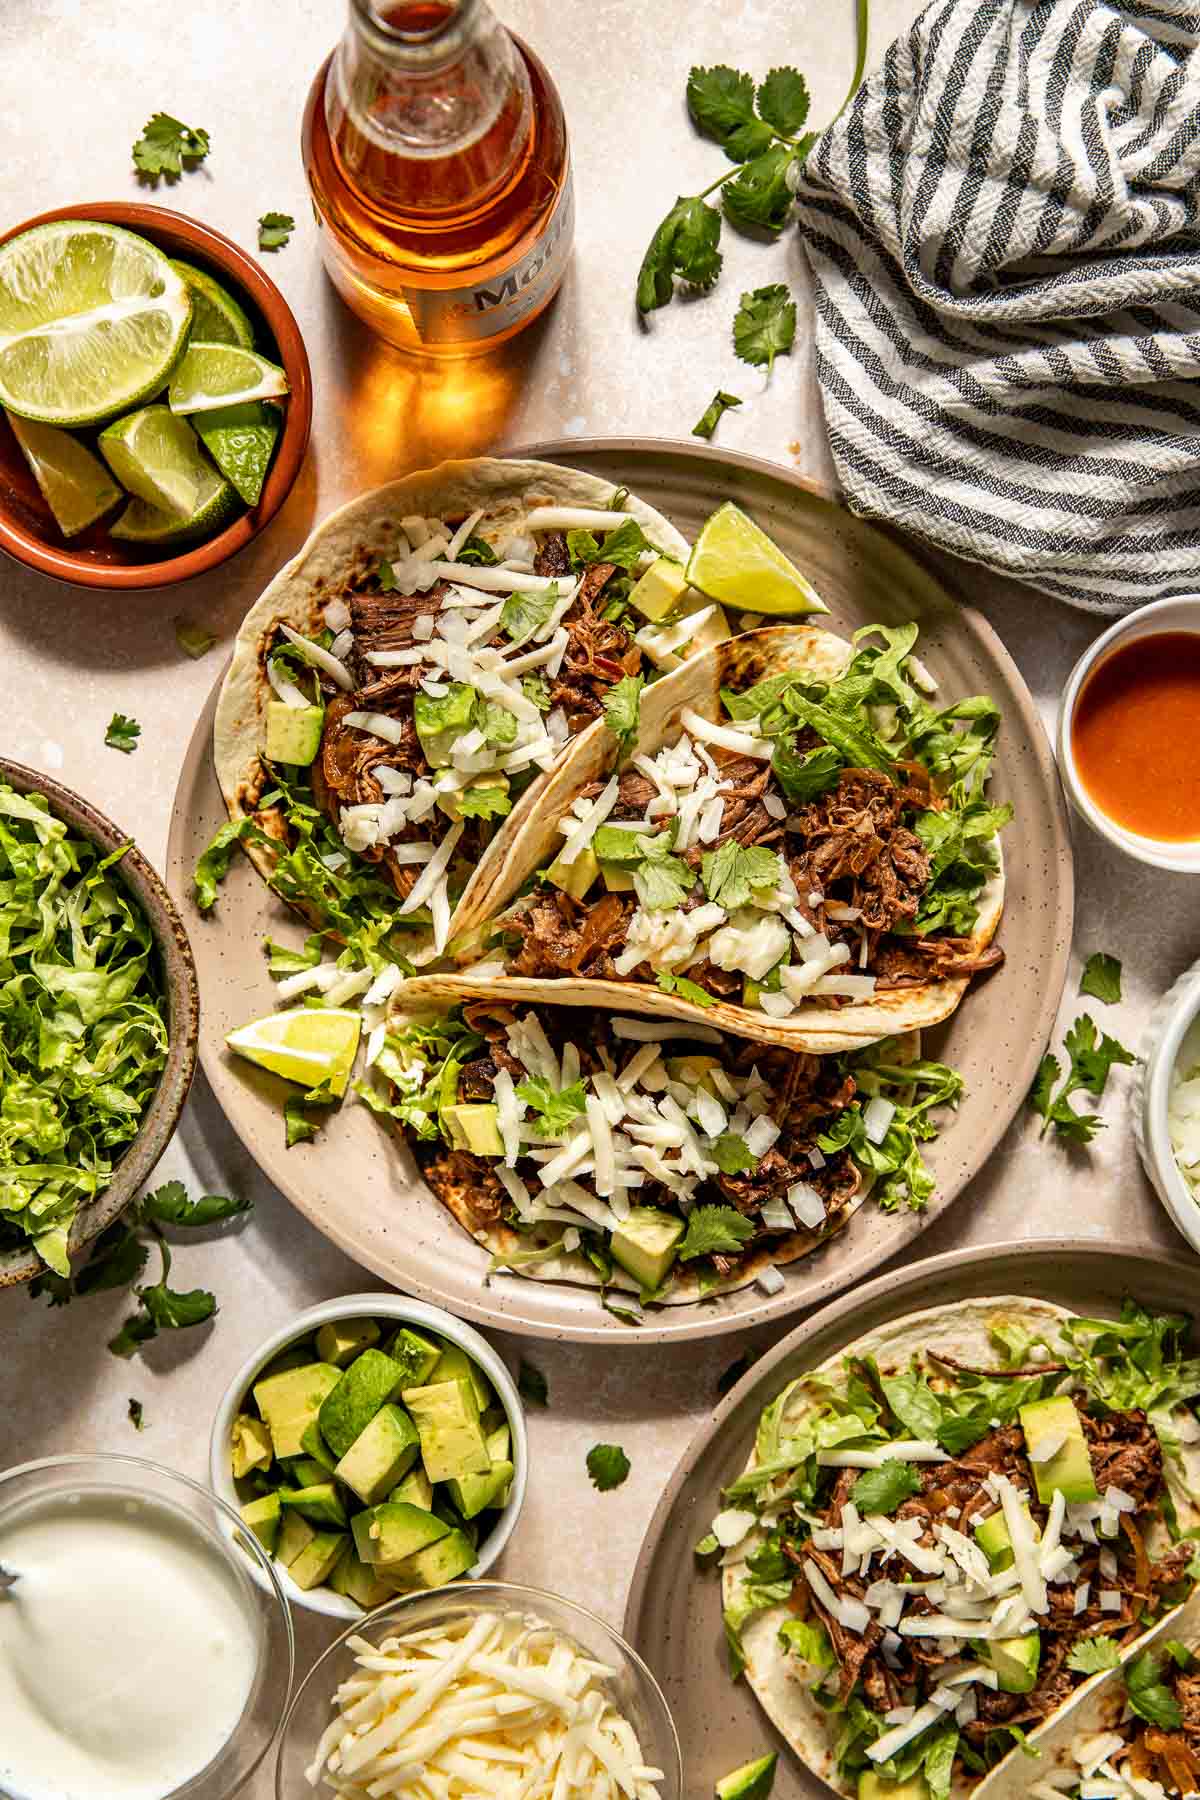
(674, 1612)
(359, 1187)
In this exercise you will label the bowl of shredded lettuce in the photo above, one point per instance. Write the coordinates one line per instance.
(99, 1017)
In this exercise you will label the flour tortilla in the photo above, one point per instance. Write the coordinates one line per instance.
(963, 1331)
(342, 552)
(532, 838)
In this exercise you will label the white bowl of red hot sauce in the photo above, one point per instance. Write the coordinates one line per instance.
(1129, 735)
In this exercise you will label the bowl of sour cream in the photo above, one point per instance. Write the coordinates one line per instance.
(1167, 1103)
(146, 1649)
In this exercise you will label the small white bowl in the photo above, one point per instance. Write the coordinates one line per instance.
(1168, 1026)
(1180, 614)
(404, 1312)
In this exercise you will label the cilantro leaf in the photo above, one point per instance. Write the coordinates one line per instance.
(483, 800)
(532, 1384)
(764, 326)
(1148, 1696)
(167, 147)
(122, 733)
(213, 863)
(173, 1311)
(714, 1230)
(1092, 1057)
(713, 412)
(622, 710)
(137, 1415)
(760, 196)
(193, 640)
(721, 103)
(622, 546)
(557, 1107)
(1101, 978)
(882, 1490)
(731, 873)
(607, 1466)
(662, 881)
(523, 613)
(274, 230)
(137, 1330)
(169, 1205)
(1089, 1655)
(477, 550)
(671, 983)
(1179, 1653)
(685, 244)
(732, 1155)
(1048, 1072)
(783, 101)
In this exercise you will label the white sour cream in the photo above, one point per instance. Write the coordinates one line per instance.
(128, 1649)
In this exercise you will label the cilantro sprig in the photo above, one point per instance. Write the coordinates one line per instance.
(607, 1466)
(764, 326)
(123, 733)
(274, 230)
(168, 147)
(1090, 1655)
(1092, 1055)
(714, 1230)
(1101, 978)
(882, 1490)
(622, 711)
(1148, 1695)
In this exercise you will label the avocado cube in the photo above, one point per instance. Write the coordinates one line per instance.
(474, 1125)
(317, 1450)
(322, 1504)
(441, 721)
(1015, 1661)
(295, 1535)
(473, 1494)
(659, 590)
(617, 845)
(290, 1402)
(877, 1787)
(264, 1518)
(498, 1440)
(754, 1780)
(447, 1417)
(342, 1340)
(381, 1455)
(305, 1471)
(250, 1446)
(1058, 1450)
(387, 1534)
(449, 801)
(416, 1489)
(358, 1582)
(693, 1071)
(616, 879)
(574, 878)
(992, 1536)
(455, 1365)
(439, 1563)
(293, 732)
(416, 1355)
(317, 1561)
(647, 1243)
(368, 1384)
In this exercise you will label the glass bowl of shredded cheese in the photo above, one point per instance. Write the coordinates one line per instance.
(485, 1688)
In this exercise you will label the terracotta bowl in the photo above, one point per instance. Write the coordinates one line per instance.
(178, 974)
(94, 558)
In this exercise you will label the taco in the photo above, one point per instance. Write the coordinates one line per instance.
(940, 1523)
(799, 848)
(404, 684)
(648, 1157)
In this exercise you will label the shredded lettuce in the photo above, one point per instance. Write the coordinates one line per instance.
(916, 1089)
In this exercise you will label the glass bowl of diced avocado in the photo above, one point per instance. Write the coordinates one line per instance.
(375, 1446)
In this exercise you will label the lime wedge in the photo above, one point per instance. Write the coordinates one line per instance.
(733, 560)
(141, 523)
(216, 316)
(215, 375)
(240, 440)
(160, 459)
(92, 320)
(312, 1045)
(75, 485)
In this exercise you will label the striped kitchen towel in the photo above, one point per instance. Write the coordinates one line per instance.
(1004, 229)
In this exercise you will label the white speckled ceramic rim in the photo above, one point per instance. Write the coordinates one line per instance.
(1179, 614)
(404, 1312)
(1152, 1131)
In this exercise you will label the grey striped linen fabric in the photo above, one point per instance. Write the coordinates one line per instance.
(1003, 230)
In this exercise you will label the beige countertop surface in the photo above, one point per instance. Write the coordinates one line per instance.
(85, 80)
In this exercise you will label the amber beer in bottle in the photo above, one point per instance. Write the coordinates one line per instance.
(436, 151)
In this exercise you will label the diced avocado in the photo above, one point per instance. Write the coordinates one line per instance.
(492, 1418)
(295, 1535)
(1015, 1661)
(449, 802)
(444, 1561)
(358, 1582)
(317, 1450)
(617, 845)
(991, 1534)
(877, 1787)
(1055, 1424)
(447, 1416)
(291, 1401)
(473, 1494)
(250, 1446)
(574, 878)
(306, 1471)
(342, 1340)
(499, 1441)
(646, 1244)
(293, 732)
(416, 1489)
(441, 721)
(473, 1125)
(381, 1455)
(693, 1071)
(616, 879)
(264, 1518)
(316, 1562)
(659, 590)
(387, 1534)
(369, 1383)
(320, 1505)
(753, 1781)
(416, 1355)
(455, 1365)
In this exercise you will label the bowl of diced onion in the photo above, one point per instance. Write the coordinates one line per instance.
(1167, 1103)
(483, 1680)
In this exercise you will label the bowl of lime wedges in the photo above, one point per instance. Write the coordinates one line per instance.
(155, 396)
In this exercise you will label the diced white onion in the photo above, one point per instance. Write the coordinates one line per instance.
(807, 1204)
(337, 615)
(877, 1114)
(380, 725)
(319, 657)
(772, 1282)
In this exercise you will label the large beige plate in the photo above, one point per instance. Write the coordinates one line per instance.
(356, 1184)
(673, 1616)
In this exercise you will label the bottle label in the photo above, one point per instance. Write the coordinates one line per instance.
(464, 315)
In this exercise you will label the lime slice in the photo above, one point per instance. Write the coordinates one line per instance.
(92, 320)
(141, 523)
(216, 316)
(75, 485)
(215, 375)
(240, 440)
(733, 560)
(160, 459)
(312, 1045)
